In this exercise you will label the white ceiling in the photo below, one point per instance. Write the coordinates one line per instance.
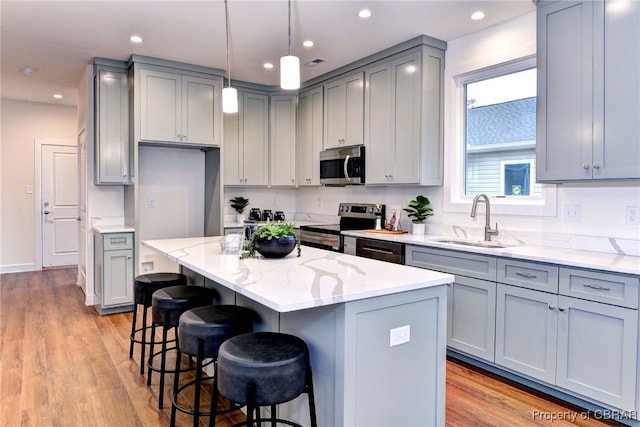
(58, 38)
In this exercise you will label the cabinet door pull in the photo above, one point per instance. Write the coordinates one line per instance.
(561, 309)
(596, 166)
(526, 275)
(596, 287)
(551, 307)
(585, 167)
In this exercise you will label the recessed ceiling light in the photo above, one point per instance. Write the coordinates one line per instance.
(364, 13)
(57, 96)
(135, 39)
(28, 71)
(268, 65)
(307, 43)
(478, 15)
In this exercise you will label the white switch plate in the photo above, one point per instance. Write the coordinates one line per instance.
(572, 213)
(151, 203)
(399, 335)
(632, 215)
(29, 189)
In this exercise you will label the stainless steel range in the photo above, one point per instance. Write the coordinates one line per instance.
(353, 216)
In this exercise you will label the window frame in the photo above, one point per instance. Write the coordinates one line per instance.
(457, 200)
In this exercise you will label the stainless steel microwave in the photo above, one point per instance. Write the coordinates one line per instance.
(342, 166)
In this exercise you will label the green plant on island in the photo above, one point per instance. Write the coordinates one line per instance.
(239, 203)
(418, 210)
(268, 232)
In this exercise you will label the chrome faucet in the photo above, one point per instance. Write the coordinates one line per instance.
(488, 231)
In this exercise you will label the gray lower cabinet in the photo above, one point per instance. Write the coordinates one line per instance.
(471, 299)
(114, 273)
(471, 317)
(572, 329)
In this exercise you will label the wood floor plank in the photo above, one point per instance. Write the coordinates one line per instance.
(62, 364)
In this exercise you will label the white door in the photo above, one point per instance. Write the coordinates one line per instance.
(59, 205)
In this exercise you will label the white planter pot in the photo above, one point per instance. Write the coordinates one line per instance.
(240, 218)
(418, 228)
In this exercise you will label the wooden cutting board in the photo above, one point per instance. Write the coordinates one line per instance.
(386, 232)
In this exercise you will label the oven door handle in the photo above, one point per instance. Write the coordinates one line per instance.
(346, 168)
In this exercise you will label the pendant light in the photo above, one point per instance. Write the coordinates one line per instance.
(229, 94)
(290, 66)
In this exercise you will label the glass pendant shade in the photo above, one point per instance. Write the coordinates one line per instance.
(290, 72)
(229, 100)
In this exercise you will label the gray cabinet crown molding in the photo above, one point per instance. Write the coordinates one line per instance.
(182, 67)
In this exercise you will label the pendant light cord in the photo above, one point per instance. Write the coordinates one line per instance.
(289, 27)
(226, 19)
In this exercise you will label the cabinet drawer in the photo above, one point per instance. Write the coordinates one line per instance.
(117, 241)
(609, 288)
(529, 275)
(453, 262)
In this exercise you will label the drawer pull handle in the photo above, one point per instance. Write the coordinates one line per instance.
(561, 309)
(551, 307)
(526, 275)
(378, 250)
(118, 241)
(596, 287)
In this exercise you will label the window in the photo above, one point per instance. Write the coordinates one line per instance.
(500, 131)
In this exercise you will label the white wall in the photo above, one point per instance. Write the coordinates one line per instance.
(21, 123)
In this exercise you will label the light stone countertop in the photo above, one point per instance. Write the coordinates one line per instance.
(317, 278)
(611, 262)
(106, 229)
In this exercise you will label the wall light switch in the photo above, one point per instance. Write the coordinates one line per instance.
(29, 189)
(572, 213)
(151, 203)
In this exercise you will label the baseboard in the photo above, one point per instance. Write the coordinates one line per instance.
(17, 268)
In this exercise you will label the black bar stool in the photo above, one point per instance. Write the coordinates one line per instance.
(201, 331)
(143, 287)
(265, 369)
(167, 304)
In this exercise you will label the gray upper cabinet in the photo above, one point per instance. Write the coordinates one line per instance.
(344, 111)
(404, 118)
(310, 131)
(588, 96)
(112, 126)
(282, 147)
(179, 109)
(246, 141)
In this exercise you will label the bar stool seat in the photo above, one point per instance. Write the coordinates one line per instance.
(143, 288)
(167, 305)
(201, 331)
(265, 369)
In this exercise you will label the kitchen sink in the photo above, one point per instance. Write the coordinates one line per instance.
(476, 243)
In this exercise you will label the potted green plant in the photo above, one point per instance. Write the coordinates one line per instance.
(418, 211)
(273, 241)
(239, 203)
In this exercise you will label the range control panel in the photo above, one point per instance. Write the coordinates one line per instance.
(361, 210)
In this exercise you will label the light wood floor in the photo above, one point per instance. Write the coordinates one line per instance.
(61, 364)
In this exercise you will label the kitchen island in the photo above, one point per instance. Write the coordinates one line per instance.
(376, 331)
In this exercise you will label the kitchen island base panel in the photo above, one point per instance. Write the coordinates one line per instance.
(358, 378)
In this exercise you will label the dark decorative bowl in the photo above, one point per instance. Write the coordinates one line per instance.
(275, 248)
